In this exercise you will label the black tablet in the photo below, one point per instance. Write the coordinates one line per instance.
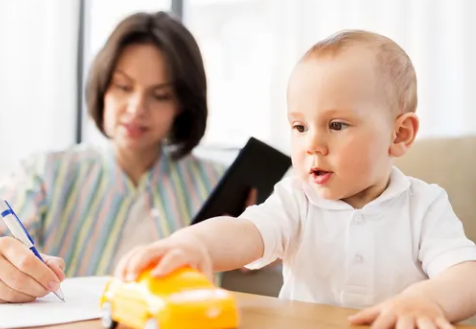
(258, 165)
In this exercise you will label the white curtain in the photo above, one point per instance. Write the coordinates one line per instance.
(437, 34)
(250, 48)
(38, 61)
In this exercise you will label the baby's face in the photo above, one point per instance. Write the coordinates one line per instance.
(342, 126)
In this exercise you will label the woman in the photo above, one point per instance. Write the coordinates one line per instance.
(147, 93)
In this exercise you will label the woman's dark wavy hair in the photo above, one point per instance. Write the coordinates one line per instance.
(185, 66)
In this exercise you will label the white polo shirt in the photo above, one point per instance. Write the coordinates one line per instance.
(335, 254)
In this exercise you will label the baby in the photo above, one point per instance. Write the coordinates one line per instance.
(351, 229)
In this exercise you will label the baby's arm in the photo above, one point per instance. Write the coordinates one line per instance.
(435, 303)
(261, 233)
(449, 295)
(217, 244)
(230, 242)
(448, 257)
(454, 291)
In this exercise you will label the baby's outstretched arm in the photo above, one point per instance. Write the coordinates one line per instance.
(225, 243)
(217, 244)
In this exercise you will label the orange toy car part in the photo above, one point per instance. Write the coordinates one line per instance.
(184, 299)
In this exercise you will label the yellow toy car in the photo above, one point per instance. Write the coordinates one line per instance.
(184, 299)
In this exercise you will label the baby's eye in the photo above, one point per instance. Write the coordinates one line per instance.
(300, 128)
(336, 125)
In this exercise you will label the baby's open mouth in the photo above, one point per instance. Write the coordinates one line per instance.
(320, 176)
(319, 172)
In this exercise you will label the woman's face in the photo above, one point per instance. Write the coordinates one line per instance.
(139, 104)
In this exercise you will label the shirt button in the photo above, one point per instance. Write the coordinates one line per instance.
(359, 220)
(155, 213)
(358, 259)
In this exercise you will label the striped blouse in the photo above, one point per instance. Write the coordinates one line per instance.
(77, 202)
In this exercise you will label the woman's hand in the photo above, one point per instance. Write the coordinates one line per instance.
(24, 277)
(252, 198)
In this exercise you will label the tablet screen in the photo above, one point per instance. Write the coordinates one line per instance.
(259, 166)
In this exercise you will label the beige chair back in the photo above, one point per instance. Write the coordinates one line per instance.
(450, 163)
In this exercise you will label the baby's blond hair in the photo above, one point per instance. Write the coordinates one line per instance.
(393, 64)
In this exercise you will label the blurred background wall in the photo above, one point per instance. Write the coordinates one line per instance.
(249, 47)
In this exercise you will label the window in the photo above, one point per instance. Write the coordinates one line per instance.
(38, 81)
(250, 47)
(236, 38)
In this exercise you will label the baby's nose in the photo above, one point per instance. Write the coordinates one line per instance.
(316, 146)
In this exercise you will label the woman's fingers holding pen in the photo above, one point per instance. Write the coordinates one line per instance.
(23, 271)
(17, 286)
(57, 265)
(9, 295)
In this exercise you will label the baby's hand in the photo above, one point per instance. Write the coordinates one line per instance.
(164, 256)
(405, 312)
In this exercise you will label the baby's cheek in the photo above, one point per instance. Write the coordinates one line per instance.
(351, 153)
(359, 160)
(299, 161)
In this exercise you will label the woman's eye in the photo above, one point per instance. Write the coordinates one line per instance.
(163, 97)
(122, 87)
(338, 125)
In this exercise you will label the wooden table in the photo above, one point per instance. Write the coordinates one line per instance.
(260, 312)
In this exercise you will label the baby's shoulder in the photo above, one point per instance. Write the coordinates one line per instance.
(425, 202)
(425, 193)
(292, 192)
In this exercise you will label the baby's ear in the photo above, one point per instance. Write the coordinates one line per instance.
(406, 129)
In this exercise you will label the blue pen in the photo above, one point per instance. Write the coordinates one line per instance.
(20, 233)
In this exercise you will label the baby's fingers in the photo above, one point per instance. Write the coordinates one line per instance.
(425, 323)
(121, 268)
(365, 316)
(142, 259)
(442, 323)
(171, 261)
(405, 322)
(385, 321)
(205, 266)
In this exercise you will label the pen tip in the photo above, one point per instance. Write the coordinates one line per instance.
(60, 295)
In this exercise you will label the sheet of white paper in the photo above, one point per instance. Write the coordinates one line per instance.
(81, 303)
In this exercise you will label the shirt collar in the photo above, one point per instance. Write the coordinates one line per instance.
(398, 184)
(120, 179)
